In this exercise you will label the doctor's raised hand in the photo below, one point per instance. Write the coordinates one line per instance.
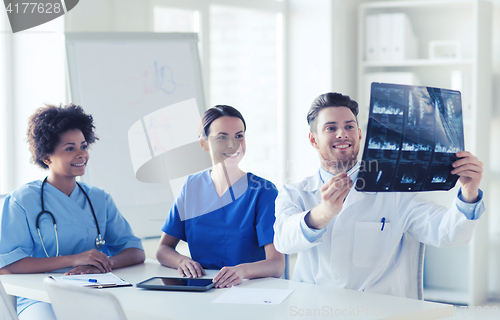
(225, 215)
(470, 170)
(59, 223)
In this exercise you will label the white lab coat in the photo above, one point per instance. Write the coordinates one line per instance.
(354, 252)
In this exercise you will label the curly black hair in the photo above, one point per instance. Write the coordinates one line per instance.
(47, 124)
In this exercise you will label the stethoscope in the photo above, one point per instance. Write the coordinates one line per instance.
(99, 241)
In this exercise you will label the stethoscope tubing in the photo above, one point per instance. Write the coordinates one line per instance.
(99, 242)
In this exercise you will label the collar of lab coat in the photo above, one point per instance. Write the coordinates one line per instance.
(314, 183)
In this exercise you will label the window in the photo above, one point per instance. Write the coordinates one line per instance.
(39, 78)
(245, 57)
(3, 121)
(244, 74)
(176, 20)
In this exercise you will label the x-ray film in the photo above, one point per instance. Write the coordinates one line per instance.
(412, 137)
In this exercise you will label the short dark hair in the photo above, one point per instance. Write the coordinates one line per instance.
(216, 112)
(327, 100)
(47, 124)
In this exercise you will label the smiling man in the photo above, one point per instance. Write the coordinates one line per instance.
(365, 241)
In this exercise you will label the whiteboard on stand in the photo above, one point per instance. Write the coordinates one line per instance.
(120, 79)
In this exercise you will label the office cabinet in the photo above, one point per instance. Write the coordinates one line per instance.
(445, 44)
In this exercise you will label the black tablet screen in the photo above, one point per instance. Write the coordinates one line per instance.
(185, 282)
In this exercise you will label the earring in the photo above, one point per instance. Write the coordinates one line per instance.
(204, 145)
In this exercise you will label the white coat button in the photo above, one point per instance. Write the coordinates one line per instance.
(335, 276)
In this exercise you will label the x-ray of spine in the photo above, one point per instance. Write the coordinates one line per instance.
(413, 134)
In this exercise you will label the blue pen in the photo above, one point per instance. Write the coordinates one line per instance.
(383, 224)
(86, 280)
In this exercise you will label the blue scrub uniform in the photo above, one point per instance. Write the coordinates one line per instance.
(76, 227)
(227, 230)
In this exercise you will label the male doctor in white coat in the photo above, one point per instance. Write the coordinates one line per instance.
(365, 241)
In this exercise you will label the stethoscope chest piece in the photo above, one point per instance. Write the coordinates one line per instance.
(99, 242)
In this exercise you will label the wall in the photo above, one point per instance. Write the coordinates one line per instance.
(345, 46)
(494, 210)
(322, 44)
(309, 65)
(122, 15)
(35, 76)
(6, 179)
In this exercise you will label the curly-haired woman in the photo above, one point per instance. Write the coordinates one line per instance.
(59, 223)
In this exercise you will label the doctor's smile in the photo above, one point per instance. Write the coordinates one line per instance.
(232, 155)
(341, 146)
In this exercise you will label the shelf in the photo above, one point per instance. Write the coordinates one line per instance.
(468, 23)
(414, 4)
(447, 296)
(418, 63)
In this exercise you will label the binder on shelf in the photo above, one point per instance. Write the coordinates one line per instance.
(384, 36)
(389, 37)
(403, 41)
(371, 38)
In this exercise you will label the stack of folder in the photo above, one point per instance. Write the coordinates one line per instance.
(389, 37)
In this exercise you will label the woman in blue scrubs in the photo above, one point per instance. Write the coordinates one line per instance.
(225, 215)
(85, 215)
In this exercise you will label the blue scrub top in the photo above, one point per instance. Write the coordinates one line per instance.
(76, 228)
(227, 230)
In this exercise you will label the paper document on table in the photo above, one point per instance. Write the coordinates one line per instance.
(93, 280)
(253, 296)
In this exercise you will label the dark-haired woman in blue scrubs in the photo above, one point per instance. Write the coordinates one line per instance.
(225, 215)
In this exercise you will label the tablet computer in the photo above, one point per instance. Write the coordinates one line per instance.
(173, 283)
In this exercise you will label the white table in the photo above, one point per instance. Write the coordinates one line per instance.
(306, 302)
